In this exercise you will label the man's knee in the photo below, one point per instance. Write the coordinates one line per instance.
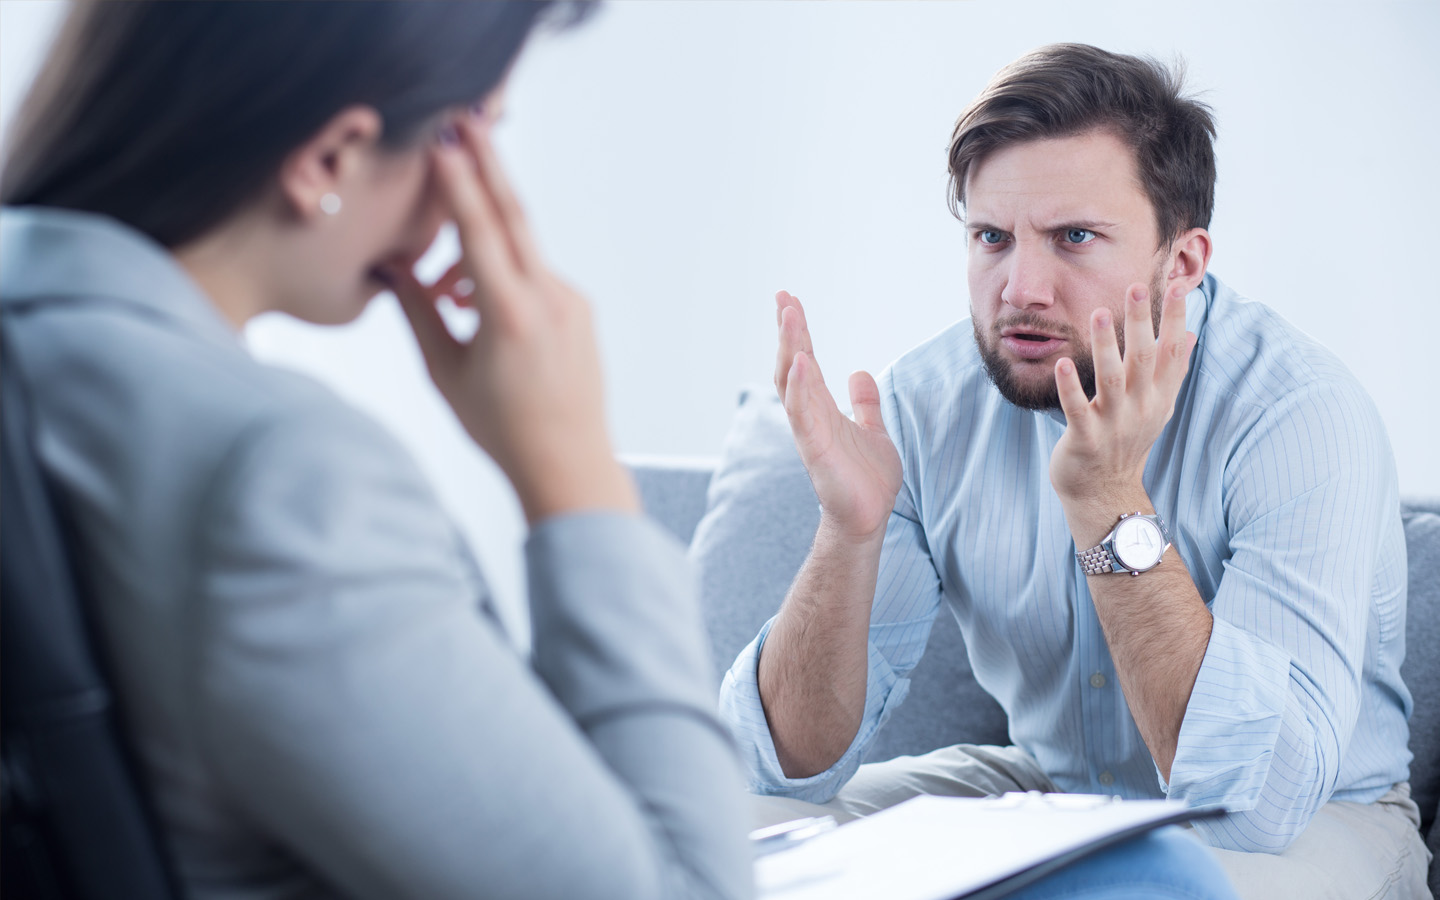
(1166, 864)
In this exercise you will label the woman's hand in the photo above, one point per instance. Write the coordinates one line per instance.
(527, 386)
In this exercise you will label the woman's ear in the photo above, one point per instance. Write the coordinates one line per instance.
(1189, 257)
(313, 178)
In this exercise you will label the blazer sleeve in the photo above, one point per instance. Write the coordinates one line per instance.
(362, 709)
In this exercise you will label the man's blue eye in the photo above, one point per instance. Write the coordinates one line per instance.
(1079, 236)
(990, 236)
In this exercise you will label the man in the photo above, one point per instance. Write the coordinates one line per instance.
(1167, 521)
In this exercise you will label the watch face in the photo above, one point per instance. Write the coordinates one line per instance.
(1138, 543)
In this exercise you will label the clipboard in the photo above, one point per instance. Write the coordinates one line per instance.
(947, 848)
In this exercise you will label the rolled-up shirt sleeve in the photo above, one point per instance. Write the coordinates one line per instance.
(1277, 696)
(907, 599)
(740, 706)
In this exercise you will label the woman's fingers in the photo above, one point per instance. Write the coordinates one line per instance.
(528, 387)
(440, 349)
(488, 257)
(502, 195)
(456, 284)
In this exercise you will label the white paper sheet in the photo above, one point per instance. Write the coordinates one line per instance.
(937, 848)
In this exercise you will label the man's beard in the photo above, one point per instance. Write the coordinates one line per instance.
(1045, 394)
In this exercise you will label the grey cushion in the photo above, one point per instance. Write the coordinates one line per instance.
(673, 490)
(1421, 670)
(1435, 861)
(761, 515)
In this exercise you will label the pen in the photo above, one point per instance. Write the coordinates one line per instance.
(789, 834)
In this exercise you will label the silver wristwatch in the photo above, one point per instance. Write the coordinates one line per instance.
(1134, 545)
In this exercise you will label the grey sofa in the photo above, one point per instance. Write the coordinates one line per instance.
(749, 516)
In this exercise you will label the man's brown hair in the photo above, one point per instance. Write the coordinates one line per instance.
(1062, 90)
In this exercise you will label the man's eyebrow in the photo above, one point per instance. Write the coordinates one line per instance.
(1087, 224)
(1059, 225)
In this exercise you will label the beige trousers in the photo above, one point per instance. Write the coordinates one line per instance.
(1350, 851)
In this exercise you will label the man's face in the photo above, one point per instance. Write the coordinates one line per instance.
(1056, 229)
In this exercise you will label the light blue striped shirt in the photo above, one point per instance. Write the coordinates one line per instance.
(1277, 480)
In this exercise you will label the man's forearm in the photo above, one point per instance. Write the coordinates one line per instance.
(814, 663)
(1156, 625)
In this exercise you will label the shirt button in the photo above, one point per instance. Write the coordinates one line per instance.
(1097, 680)
(1107, 779)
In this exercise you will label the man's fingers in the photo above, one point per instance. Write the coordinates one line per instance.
(797, 401)
(865, 401)
(785, 300)
(785, 354)
(1175, 343)
(794, 338)
(1139, 337)
(808, 404)
(1073, 401)
(1105, 350)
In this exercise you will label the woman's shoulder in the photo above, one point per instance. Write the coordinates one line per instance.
(113, 339)
(122, 362)
(137, 410)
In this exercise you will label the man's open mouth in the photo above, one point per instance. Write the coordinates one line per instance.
(1032, 345)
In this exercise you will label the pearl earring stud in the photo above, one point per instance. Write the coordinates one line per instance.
(330, 204)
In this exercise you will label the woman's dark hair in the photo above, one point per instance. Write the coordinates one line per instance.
(1066, 89)
(170, 116)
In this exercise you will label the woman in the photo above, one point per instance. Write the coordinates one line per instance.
(320, 699)
(318, 696)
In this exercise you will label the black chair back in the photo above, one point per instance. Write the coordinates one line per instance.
(73, 817)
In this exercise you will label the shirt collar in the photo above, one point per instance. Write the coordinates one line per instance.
(49, 254)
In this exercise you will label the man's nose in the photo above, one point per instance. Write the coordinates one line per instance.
(1029, 278)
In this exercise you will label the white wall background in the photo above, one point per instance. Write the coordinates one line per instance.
(681, 161)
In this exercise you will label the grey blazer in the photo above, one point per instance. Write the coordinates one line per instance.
(320, 699)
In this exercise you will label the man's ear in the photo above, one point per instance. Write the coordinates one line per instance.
(324, 163)
(1189, 257)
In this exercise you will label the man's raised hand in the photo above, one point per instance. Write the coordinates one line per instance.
(852, 462)
(1107, 439)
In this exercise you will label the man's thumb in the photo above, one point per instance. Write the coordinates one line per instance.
(865, 401)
